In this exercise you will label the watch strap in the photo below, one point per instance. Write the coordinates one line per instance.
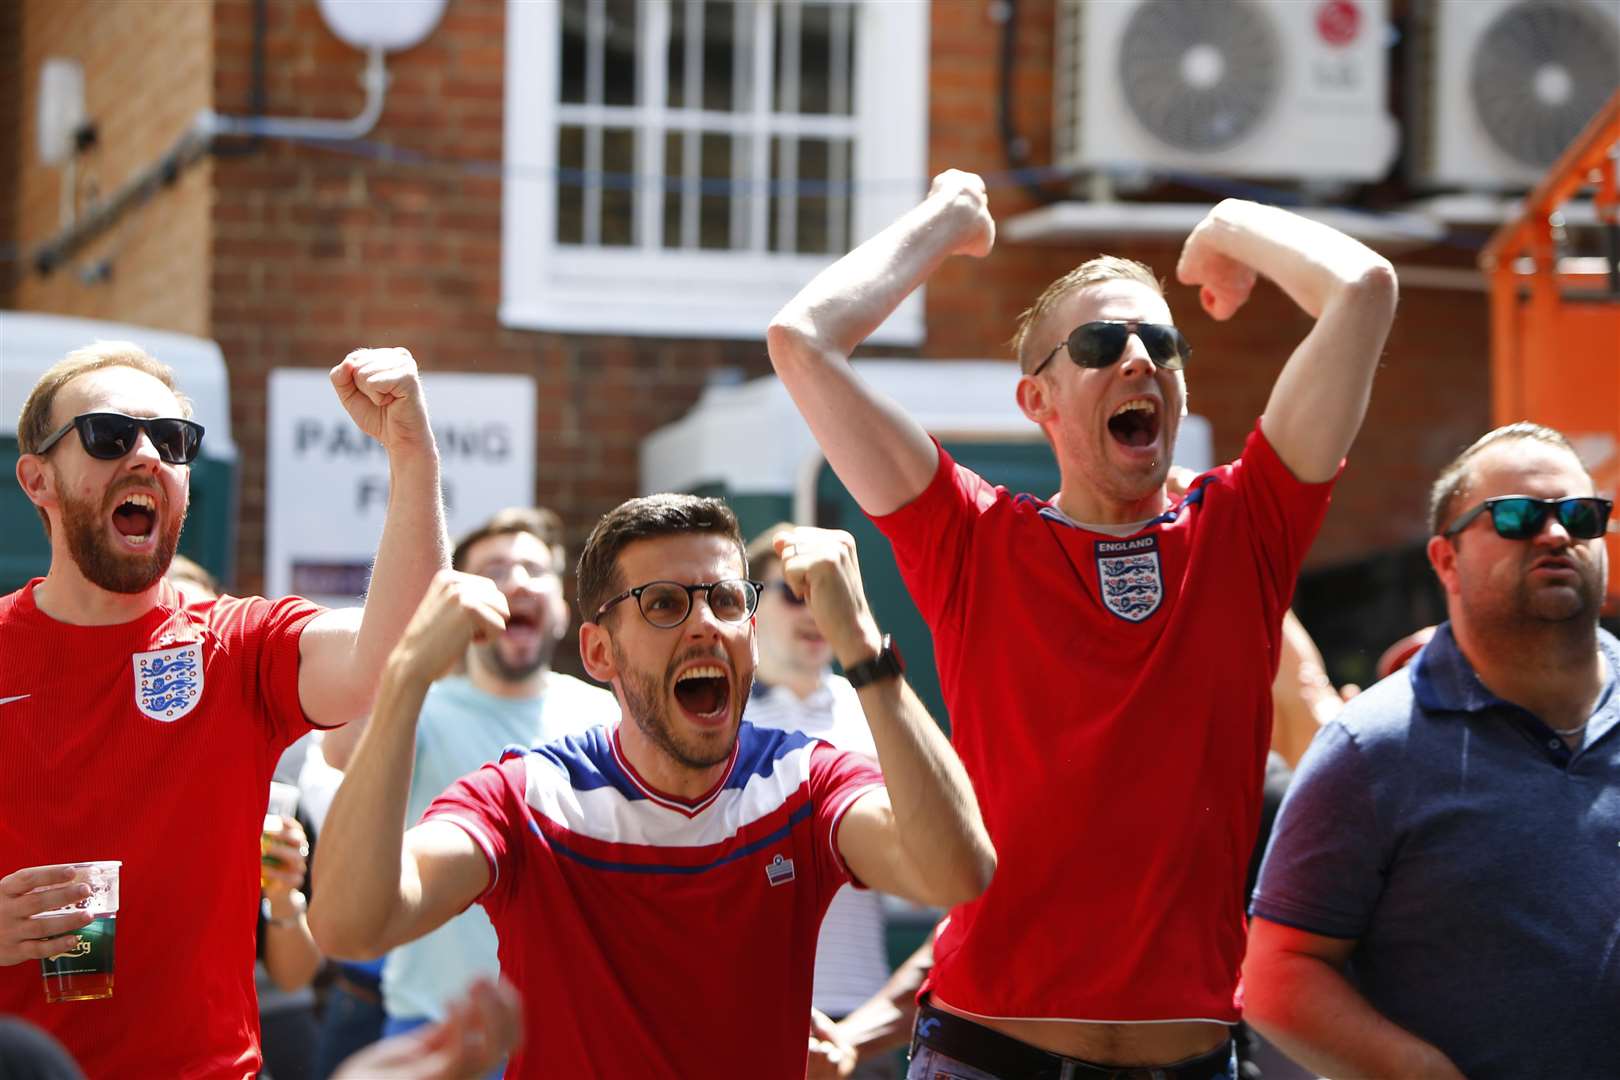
(887, 664)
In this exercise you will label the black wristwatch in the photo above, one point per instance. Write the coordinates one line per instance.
(887, 664)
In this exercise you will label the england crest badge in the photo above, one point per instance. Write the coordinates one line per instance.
(168, 682)
(1129, 576)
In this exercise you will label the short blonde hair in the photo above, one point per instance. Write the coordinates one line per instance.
(34, 423)
(1091, 272)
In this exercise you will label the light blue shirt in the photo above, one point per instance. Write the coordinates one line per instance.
(461, 728)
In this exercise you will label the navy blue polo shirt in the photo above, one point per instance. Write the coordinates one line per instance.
(1476, 861)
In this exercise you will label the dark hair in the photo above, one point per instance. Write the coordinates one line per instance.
(761, 549)
(1451, 486)
(644, 519)
(539, 522)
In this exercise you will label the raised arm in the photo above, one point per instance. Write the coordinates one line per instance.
(920, 837)
(1296, 994)
(1319, 399)
(342, 651)
(383, 885)
(880, 453)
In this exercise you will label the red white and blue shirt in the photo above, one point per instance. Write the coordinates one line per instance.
(652, 935)
(1110, 698)
(151, 742)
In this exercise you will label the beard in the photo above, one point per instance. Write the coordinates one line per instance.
(83, 526)
(495, 662)
(1523, 604)
(1581, 601)
(648, 706)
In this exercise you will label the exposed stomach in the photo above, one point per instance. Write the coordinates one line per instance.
(1158, 1043)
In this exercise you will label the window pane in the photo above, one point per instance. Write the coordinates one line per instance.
(570, 184)
(812, 43)
(619, 73)
(573, 51)
(714, 219)
(675, 57)
(720, 34)
(813, 236)
(815, 59)
(673, 157)
(618, 183)
(810, 211)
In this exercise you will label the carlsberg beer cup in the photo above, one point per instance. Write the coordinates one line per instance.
(83, 970)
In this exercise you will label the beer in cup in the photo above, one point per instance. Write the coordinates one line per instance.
(83, 970)
(283, 804)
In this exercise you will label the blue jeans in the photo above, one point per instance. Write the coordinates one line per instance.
(929, 1064)
(349, 1024)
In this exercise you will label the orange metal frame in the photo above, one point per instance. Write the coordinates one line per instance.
(1555, 358)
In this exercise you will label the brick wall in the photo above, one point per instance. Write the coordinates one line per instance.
(11, 147)
(293, 254)
(317, 252)
(147, 73)
(1432, 393)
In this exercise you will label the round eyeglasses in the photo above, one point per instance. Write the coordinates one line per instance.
(666, 604)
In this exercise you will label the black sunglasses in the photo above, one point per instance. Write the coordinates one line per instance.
(1099, 344)
(109, 436)
(1521, 517)
(666, 604)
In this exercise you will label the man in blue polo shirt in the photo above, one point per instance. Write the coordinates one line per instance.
(1439, 897)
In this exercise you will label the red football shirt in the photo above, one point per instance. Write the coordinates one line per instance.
(1111, 699)
(152, 742)
(651, 935)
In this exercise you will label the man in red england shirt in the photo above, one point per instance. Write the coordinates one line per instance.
(657, 883)
(144, 727)
(1106, 655)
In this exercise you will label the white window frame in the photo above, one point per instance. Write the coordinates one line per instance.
(685, 293)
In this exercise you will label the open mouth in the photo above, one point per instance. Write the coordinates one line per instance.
(704, 692)
(136, 517)
(1135, 423)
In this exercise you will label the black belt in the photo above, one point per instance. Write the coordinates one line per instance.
(1010, 1059)
(356, 987)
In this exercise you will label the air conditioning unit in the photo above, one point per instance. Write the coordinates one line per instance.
(1265, 88)
(1503, 86)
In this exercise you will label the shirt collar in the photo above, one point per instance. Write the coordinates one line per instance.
(1444, 680)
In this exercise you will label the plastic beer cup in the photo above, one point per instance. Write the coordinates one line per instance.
(83, 970)
(283, 804)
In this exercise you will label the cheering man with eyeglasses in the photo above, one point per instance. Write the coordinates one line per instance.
(142, 726)
(1106, 655)
(656, 885)
(1439, 896)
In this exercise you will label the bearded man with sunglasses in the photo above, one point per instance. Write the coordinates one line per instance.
(1106, 655)
(142, 726)
(1439, 896)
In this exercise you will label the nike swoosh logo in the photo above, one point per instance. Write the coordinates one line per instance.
(9, 700)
